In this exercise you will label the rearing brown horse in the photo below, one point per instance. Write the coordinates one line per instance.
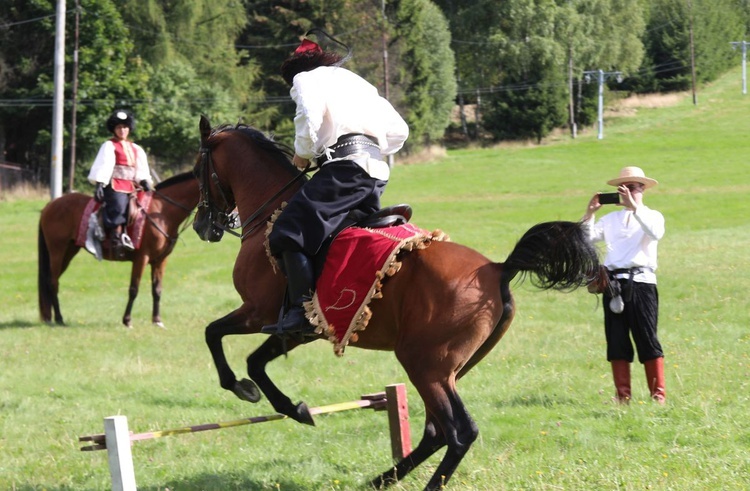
(459, 302)
(173, 201)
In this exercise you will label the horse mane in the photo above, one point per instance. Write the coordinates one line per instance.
(176, 179)
(280, 152)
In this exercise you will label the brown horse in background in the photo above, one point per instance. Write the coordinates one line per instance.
(441, 314)
(173, 201)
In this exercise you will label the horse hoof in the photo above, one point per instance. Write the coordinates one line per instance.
(159, 324)
(302, 414)
(128, 325)
(246, 390)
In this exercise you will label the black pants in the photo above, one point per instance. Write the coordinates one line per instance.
(322, 205)
(115, 208)
(639, 319)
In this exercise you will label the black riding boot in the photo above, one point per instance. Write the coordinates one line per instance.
(299, 273)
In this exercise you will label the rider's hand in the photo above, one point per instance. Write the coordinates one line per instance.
(145, 185)
(99, 192)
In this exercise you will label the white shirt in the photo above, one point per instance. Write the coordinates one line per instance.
(104, 164)
(631, 239)
(333, 101)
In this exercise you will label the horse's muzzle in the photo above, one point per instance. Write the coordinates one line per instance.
(206, 229)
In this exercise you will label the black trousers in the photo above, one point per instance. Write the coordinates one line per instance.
(322, 205)
(115, 208)
(639, 319)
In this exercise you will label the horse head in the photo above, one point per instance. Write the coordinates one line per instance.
(211, 219)
(240, 168)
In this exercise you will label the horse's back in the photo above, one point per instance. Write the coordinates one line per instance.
(60, 217)
(439, 292)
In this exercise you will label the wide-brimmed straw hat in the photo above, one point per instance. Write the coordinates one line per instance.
(633, 174)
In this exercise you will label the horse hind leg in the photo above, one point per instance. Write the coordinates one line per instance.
(432, 441)
(455, 424)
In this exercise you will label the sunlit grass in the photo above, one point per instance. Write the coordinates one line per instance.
(542, 398)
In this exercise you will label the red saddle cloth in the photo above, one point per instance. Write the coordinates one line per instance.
(135, 231)
(357, 262)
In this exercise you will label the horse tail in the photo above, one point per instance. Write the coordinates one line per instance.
(44, 278)
(554, 255)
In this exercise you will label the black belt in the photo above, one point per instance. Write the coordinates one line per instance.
(351, 144)
(629, 271)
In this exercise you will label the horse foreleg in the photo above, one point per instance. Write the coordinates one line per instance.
(157, 273)
(271, 349)
(139, 264)
(233, 323)
(432, 441)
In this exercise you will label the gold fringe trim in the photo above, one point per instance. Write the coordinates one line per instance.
(269, 227)
(362, 317)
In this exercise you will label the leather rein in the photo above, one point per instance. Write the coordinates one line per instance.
(207, 169)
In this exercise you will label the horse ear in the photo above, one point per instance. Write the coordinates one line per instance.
(205, 128)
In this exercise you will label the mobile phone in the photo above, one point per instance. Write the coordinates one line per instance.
(609, 198)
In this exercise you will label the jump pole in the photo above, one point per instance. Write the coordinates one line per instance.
(117, 439)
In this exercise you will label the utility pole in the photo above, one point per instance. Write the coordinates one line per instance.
(56, 163)
(74, 109)
(692, 55)
(386, 73)
(571, 106)
(601, 76)
(744, 62)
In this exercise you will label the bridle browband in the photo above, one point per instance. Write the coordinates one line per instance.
(222, 217)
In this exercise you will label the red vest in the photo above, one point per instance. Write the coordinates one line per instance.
(123, 175)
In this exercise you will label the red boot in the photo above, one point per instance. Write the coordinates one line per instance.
(655, 379)
(621, 374)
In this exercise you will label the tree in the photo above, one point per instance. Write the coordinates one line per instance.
(667, 66)
(531, 101)
(427, 69)
(111, 74)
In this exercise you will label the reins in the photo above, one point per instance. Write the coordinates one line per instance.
(261, 212)
(183, 226)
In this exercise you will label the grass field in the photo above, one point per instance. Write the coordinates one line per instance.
(542, 399)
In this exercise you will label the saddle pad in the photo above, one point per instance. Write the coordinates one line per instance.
(83, 227)
(135, 231)
(357, 262)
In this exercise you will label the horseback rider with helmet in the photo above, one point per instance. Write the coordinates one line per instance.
(120, 168)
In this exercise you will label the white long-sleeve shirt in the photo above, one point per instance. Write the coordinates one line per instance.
(332, 102)
(631, 239)
(104, 164)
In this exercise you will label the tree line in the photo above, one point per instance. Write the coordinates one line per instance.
(520, 65)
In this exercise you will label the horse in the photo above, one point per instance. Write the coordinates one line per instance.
(459, 302)
(172, 203)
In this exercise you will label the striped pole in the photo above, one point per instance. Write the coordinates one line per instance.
(374, 401)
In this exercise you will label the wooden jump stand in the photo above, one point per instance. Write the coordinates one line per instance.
(117, 439)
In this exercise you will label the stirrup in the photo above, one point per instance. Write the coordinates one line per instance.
(301, 328)
(126, 242)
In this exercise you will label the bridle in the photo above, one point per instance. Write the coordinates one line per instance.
(220, 224)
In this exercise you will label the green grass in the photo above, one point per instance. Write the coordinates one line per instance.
(542, 399)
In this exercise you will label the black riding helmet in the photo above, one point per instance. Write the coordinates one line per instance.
(120, 116)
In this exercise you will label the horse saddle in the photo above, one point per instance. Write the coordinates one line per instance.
(390, 216)
(91, 233)
(387, 217)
